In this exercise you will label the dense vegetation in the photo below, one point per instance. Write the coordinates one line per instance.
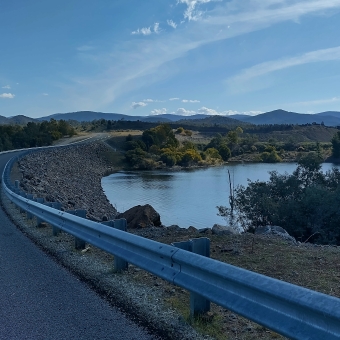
(33, 134)
(159, 147)
(305, 203)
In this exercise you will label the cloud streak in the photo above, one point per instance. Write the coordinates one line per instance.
(190, 101)
(134, 64)
(159, 111)
(261, 69)
(171, 23)
(7, 95)
(147, 30)
(191, 12)
(6, 87)
(136, 105)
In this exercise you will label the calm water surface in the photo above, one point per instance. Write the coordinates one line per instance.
(187, 197)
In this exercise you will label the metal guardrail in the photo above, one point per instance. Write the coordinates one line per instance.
(295, 312)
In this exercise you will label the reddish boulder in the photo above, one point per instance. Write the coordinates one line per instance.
(141, 216)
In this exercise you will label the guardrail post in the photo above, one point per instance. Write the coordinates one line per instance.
(16, 183)
(39, 200)
(78, 243)
(23, 194)
(55, 205)
(28, 214)
(201, 246)
(119, 264)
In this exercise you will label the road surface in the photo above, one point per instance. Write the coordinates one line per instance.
(39, 299)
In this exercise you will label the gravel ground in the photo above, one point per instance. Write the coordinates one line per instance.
(70, 176)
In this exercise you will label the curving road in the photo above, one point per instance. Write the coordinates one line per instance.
(39, 299)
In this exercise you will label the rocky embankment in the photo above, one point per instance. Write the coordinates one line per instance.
(71, 176)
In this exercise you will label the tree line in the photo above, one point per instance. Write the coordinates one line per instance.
(33, 134)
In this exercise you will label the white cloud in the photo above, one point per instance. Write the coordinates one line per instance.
(135, 105)
(191, 13)
(159, 111)
(7, 95)
(6, 87)
(131, 65)
(211, 112)
(156, 28)
(190, 101)
(152, 101)
(171, 23)
(147, 30)
(205, 111)
(143, 31)
(45, 94)
(184, 112)
(251, 113)
(173, 99)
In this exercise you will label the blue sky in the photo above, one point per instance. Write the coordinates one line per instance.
(169, 56)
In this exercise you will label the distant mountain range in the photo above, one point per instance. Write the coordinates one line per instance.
(329, 118)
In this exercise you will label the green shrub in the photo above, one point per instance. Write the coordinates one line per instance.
(270, 157)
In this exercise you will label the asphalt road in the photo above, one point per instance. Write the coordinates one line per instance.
(39, 299)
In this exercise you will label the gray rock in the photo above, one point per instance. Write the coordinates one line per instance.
(274, 230)
(203, 230)
(263, 230)
(218, 229)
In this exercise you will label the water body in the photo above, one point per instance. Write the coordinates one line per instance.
(186, 198)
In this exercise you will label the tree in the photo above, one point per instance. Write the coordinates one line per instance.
(336, 145)
(305, 202)
(225, 152)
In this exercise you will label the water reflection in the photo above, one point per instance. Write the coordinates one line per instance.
(186, 197)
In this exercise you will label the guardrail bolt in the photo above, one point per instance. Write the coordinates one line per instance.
(198, 304)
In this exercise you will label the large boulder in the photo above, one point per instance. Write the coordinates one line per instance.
(141, 216)
(274, 230)
(218, 229)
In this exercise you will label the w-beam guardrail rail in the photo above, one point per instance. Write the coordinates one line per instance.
(292, 311)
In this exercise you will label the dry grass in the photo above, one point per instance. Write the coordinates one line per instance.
(316, 268)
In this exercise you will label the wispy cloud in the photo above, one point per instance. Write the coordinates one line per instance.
(152, 101)
(156, 28)
(211, 112)
(171, 23)
(147, 30)
(159, 111)
(173, 99)
(190, 101)
(139, 63)
(318, 101)
(191, 12)
(135, 105)
(45, 94)
(143, 31)
(7, 95)
(277, 65)
(6, 87)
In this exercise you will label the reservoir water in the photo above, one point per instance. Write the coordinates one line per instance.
(187, 197)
